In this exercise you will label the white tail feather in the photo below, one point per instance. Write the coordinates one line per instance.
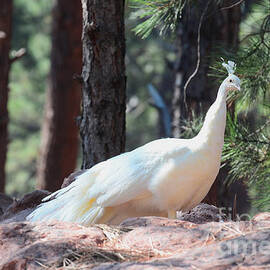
(71, 203)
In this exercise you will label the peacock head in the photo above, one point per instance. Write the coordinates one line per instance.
(232, 82)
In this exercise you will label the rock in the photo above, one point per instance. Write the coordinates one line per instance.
(29, 200)
(19, 209)
(150, 221)
(71, 178)
(34, 245)
(10, 217)
(5, 202)
(202, 213)
(138, 243)
(164, 239)
(262, 217)
(216, 245)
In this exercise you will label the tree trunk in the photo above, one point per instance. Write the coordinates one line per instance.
(102, 125)
(220, 27)
(5, 43)
(59, 142)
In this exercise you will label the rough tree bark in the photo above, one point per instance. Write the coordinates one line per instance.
(5, 43)
(220, 27)
(102, 125)
(59, 143)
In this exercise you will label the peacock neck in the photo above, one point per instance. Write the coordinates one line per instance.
(212, 131)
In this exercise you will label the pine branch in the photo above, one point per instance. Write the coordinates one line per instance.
(248, 156)
(159, 14)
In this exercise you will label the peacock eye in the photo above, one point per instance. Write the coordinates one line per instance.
(230, 80)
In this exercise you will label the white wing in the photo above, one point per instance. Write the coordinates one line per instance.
(110, 183)
(128, 176)
(124, 177)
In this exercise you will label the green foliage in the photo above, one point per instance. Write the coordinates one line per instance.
(146, 61)
(253, 64)
(247, 140)
(161, 14)
(191, 128)
(246, 148)
(248, 154)
(253, 67)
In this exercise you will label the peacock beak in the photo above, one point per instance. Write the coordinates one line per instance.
(237, 87)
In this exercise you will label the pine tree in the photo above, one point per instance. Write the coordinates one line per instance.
(102, 125)
(247, 143)
(5, 44)
(60, 133)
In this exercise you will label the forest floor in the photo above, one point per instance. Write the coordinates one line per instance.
(200, 239)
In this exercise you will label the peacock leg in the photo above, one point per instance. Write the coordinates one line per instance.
(171, 214)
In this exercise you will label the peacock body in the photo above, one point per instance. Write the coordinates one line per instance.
(155, 179)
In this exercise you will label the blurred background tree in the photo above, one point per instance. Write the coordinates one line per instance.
(159, 61)
(5, 45)
(59, 138)
(28, 80)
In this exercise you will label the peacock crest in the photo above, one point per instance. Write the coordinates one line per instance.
(231, 67)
